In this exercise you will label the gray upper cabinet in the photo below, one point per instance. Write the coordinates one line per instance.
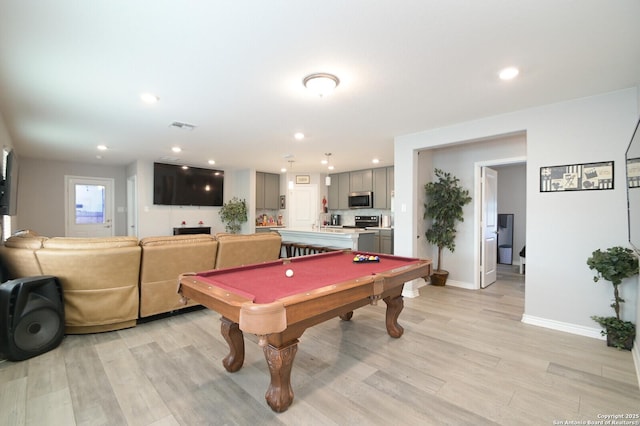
(339, 191)
(390, 186)
(343, 190)
(380, 188)
(379, 180)
(361, 180)
(267, 191)
(259, 190)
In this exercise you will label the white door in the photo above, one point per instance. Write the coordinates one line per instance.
(132, 207)
(89, 207)
(489, 227)
(304, 206)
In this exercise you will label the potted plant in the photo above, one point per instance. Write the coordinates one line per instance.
(445, 199)
(614, 265)
(233, 214)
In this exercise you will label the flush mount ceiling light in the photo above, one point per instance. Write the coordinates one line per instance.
(508, 73)
(321, 84)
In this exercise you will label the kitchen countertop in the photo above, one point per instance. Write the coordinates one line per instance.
(350, 238)
(329, 230)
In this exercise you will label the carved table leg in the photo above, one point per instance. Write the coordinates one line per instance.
(394, 307)
(280, 360)
(233, 335)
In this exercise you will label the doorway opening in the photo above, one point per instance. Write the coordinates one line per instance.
(507, 210)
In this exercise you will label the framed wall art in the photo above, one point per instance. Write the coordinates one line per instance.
(633, 173)
(577, 177)
(301, 179)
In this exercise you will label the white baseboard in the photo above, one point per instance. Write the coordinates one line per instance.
(563, 326)
(635, 353)
(461, 284)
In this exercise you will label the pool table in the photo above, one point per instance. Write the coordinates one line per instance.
(261, 299)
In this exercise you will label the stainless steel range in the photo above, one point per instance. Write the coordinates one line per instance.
(365, 222)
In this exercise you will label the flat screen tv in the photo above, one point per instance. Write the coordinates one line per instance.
(175, 185)
(9, 185)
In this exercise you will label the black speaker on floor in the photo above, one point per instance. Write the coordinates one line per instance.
(31, 317)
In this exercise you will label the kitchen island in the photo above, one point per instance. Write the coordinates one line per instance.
(354, 239)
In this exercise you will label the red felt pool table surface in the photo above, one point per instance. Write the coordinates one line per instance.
(266, 282)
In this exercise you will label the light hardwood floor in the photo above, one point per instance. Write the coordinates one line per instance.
(464, 359)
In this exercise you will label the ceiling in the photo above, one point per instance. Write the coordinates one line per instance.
(71, 73)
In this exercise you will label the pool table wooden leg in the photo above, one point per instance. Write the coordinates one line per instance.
(347, 316)
(233, 335)
(279, 395)
(394, 307)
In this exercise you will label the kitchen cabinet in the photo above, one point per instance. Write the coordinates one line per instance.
(361, 180)
(383, 241)
(379, 180)
(382, 187)
(390, 187)
(267, 191)
(386, 241)
(339, 191)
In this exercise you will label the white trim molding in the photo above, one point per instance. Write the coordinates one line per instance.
(563, 326)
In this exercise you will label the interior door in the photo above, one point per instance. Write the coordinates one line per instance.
(489, 227)
(89, 207)
(304, 206)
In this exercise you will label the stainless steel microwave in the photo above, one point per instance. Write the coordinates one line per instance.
(361, 200)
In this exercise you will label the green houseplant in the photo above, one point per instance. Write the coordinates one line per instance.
(233, 214)
(443, 206)
(614, 265)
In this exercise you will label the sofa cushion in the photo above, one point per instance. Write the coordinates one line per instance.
(163, 260)
(99, 277)
(79, 243)
(247, 249)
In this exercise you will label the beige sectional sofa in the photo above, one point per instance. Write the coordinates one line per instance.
(109, 283)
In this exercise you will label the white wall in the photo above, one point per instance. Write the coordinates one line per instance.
(562, 228)
(459, 160)
(41, 193)
(156, 220)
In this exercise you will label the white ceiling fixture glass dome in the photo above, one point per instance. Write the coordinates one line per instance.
(322, 84)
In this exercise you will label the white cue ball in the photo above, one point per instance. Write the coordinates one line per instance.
(289, 273)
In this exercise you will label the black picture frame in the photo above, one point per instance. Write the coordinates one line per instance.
(577, 177)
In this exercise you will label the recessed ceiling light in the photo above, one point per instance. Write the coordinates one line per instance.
(375, 161)
(185, 167)
(176, 149)
(212, 162)
(283, 170)
(299, 136)
(149, 98)
(509, 73)
(330, 167)
(102, 147)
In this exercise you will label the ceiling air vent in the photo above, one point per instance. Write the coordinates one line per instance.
(182, 126)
